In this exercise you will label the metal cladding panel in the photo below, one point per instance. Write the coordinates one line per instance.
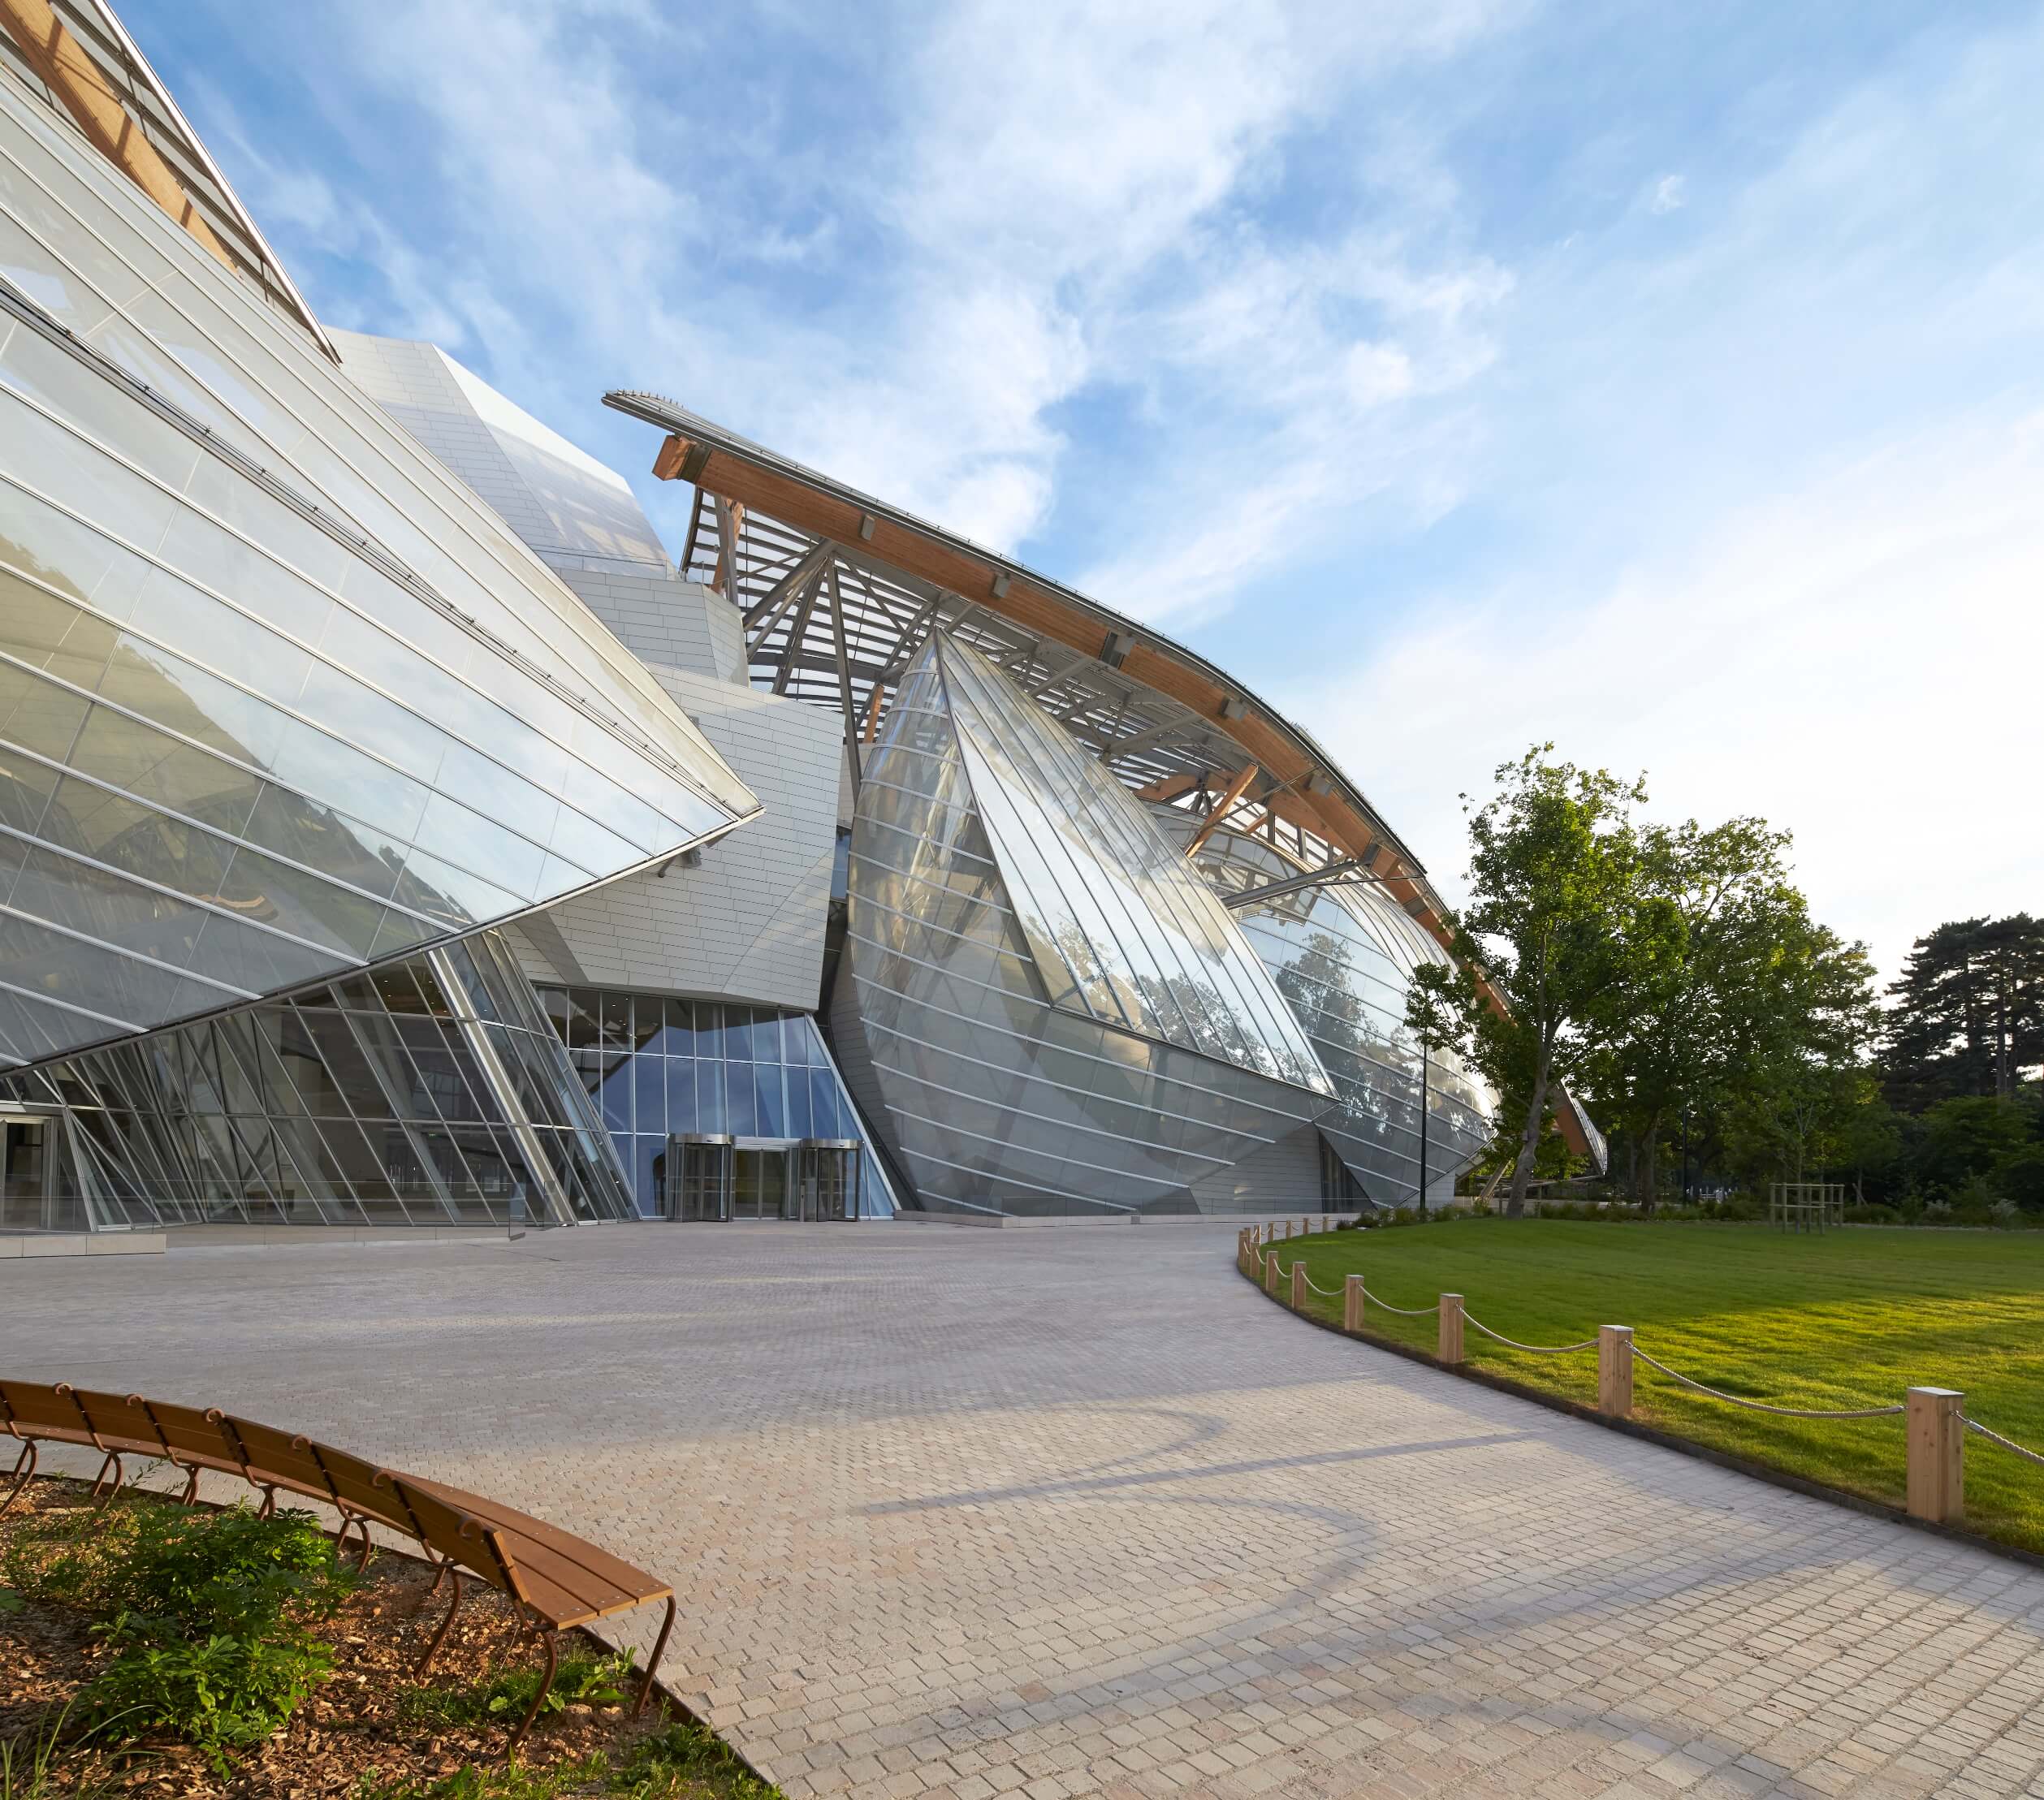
(996, 1099)
(1342, 957)
(279, 698)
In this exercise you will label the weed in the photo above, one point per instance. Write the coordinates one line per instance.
(587, 1681)
(221, 1692)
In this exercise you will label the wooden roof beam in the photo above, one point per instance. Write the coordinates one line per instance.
(1236, 788)
(82, 88)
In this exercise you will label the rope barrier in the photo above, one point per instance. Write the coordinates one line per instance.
(1403, 1312)
(1541, 1349)
(1325, 1293)
(1995, 1437)
(1761, 1406)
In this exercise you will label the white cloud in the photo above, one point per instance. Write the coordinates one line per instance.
(1857, 661)
(1670, 195)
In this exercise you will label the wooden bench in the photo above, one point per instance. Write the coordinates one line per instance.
(554, 1578)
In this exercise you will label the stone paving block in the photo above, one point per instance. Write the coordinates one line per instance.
(963, 1513)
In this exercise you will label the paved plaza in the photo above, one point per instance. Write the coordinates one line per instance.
(1063, 1511)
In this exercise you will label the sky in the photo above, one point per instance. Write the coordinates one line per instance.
(1665, 383)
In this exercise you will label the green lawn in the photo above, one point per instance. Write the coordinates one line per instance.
(1849, 1319)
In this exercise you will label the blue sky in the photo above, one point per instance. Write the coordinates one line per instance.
(1662, 381)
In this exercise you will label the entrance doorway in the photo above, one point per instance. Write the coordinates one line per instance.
(718, 1177)
(829, 1169)
(27, 1172)
(702, 1189)
(760, 1188)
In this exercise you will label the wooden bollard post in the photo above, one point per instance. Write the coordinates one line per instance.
(1451, 1329)
(1614, 1370)
(1352, 1304)
(1270, 1272)
(1936, 1479)
(1298, 1285)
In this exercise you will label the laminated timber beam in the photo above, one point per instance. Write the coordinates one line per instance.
(1220, 808)
(83, 91)
(1304, 796)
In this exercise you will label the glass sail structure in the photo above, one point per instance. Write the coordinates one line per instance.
(279, 700)
(1342, 957)
(1044, 1014)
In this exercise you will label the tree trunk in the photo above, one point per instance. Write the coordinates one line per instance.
(1649, 1189)
(1529, 1139)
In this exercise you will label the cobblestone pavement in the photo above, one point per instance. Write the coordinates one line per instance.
(959, 1514)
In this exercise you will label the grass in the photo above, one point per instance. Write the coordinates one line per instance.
(1848, 1318)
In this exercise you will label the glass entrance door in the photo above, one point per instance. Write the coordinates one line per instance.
(25, 1189)
(830, 1178)
(703, 1190)
(761, 1189)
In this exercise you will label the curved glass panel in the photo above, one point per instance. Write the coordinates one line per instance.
(278, 698)
(996, 1091)
(1122, 929)
(1342, 957)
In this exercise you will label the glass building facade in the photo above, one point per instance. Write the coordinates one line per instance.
(277, 700)
(331, 801)
(1342, 955)
(427, 1092)
(1020, 1002)
(659, 1068)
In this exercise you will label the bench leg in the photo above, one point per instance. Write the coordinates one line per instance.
(446, 1625)
(269, 1501)
(653, 1662)
(539, 1699)
(120, 1474)
(23, 1472)
(191, 1486)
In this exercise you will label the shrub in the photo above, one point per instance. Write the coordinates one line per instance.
(206, 1613)
(221, 1693)
(200, 1574)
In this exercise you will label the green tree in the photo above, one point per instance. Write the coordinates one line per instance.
(1794, 1109)
(1540, 951)
(1728, 986)
(1968, 1012)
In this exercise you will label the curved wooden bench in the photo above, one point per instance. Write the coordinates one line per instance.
(557, 1580)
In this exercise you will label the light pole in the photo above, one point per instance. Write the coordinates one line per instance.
(1423, 1127)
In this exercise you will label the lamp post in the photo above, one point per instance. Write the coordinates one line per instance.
(1423, 1127)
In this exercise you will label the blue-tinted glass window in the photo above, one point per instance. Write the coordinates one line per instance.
(583, 1033)
(709, 1029)
(773, 1112)
(799, 1110)
(650, 1093)
(823, 1093)
(711, 1115)
(677, 1032)
(680, 1077)
(740, 1107)
(616, 1093)
(737, 1033)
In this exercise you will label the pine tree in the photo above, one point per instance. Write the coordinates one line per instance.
(1969, 1017)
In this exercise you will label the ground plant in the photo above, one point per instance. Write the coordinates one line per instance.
(1846, 1318)
(146, 1647)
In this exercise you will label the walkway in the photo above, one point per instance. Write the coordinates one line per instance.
(957, 1513)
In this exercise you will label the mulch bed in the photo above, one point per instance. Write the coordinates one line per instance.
(353, 1724)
